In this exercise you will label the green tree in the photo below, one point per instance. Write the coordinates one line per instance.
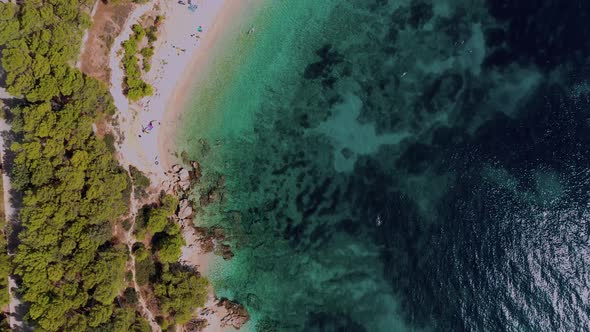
(72, 188)
(180, 291)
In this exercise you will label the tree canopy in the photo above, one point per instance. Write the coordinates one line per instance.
(73, 189)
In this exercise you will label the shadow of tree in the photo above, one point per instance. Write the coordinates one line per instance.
(20, 310)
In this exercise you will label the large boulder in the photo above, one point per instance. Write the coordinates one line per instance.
(184, 174)
(185, 209)
(234, 314)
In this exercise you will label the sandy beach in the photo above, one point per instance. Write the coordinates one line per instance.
(180, 54)
(175, 51)
(178, 59)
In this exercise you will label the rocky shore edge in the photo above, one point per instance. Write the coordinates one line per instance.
(180, 182)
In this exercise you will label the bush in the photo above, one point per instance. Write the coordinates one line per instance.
(140, 181)
(140, 252)
(147, 52)
(109, 140)
(151, 34)
(179, 291)
(141, 223)
(145, 271)
(126, 224)
(130, 296)
(135, 87)
(159, 19)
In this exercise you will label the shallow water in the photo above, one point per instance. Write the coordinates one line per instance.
(401, 165)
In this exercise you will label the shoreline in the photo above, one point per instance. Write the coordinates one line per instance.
(196, 71)
(173, 77)
(178, 60)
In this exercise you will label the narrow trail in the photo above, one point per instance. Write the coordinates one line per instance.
(125, 113)
(129, 240)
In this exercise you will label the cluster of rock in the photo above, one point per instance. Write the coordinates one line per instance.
(229, 313)
(180, 179)
(211, 240)
(179, 183)
(236, 315)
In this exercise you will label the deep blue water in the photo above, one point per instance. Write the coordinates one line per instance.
(422, 165)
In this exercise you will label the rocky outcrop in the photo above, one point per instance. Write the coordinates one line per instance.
(196, 325)
(200, 240)
(185, 210)
(180, 179)
(235, 314)
(224, 251)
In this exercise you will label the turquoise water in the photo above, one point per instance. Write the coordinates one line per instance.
(400, 165)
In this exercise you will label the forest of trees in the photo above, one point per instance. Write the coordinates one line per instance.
(71, 271)
(72, 188)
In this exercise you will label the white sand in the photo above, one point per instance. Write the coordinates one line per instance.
(170, 68)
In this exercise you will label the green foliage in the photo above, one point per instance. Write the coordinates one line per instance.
(179, 292)
(145, 271)
(141, 220)
(130, 296)
(9, 26)
(153, 219)
(140, 252)
(157, 220)
(139, 31)
(169, 244)
(72, 188)
(4, 324)
(126, 320)
(4, 265)
(158, 21)
(126, 225)
(135, 87)
(151, 32)
(109, 141)
(139, 180)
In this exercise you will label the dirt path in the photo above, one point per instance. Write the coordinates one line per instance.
(129, 240)
(107, 22)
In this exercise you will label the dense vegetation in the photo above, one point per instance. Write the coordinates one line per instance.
(139, 180)
(70, 269)
(135, 87)
(178, 289)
